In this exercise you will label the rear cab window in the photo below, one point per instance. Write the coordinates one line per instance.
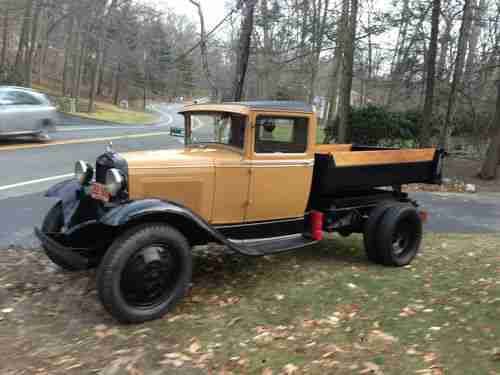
(275, 134)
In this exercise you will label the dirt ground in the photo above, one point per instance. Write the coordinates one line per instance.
(322, 310)
(460, 172)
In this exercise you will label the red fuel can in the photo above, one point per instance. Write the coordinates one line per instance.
(317, 225)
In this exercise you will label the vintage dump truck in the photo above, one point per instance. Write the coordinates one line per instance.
(250, 177)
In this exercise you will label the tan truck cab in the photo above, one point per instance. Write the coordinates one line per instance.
(250, 177)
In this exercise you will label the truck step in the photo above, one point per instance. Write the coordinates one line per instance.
(267, 246)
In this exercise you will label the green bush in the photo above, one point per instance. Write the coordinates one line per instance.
(373, 125)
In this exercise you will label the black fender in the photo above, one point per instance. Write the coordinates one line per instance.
(175, 214)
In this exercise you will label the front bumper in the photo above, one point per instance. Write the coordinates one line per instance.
(68, 255)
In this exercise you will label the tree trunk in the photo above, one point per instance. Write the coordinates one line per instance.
(5, 35)
(490, 165)
(398, 51)
(335, 78)
(68, 52)
(319, 20)
(77, 48)
(101, 45)
(430, 76)
(458, 73)
(33, 44)
(243, 48)
(100, 86)
(470, 65)
(43, 59)
(346, 87)
(266, 68)
(25, 30)
(81, 68)
(116, 85)
(445, 42)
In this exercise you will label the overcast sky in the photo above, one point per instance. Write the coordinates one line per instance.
(213, 10)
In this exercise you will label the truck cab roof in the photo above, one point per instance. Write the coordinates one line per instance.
(244, 108)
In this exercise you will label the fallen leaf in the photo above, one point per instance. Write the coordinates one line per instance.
(8, 310)
(430, 357)
(377, 334)
(233, 321)
(279, 297)
(371, 368)
(194, 347)
(263, 338)
(328, 355)
(290, 369)
(407, 311)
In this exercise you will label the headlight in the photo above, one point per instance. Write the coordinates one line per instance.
(114, 181)
(83, 172)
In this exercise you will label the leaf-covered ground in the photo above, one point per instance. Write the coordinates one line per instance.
(325, 310)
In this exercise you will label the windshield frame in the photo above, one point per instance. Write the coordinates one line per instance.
(188, 131)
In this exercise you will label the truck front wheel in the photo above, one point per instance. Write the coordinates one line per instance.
(399, 235)
(145, 273)
(53, 223)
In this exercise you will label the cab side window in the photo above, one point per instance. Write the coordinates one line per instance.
(281, 134)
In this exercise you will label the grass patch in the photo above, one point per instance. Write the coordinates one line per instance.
(112, 113)
(106, 111)
(321, 310)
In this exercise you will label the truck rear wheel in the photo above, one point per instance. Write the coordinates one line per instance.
(145, 273)
(370, 231)
(399, 235)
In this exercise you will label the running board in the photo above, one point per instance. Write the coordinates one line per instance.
(268, 246)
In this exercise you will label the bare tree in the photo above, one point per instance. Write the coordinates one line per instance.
(243, 50)
(68, 52)
(319, 20)
(458, 72)
(430, 75)
(25, 31)
(335, 77)
(5, 33)
(101, 45)
(347, 74)
(33, 44)
(475, 33)
(204, 51)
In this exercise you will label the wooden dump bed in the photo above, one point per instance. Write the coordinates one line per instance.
(344, 167)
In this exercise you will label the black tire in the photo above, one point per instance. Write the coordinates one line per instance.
(171, 277)
(400, 235)
(53, 222)
(370, 231)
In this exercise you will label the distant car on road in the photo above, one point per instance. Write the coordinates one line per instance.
(177, 131)
(25, 112)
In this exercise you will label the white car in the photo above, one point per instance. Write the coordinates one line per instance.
(25, 112)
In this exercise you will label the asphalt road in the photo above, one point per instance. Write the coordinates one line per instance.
(28, 169)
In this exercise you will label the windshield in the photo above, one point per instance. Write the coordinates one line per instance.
(222, 128)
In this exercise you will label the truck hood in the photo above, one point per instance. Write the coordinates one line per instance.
(187, 157)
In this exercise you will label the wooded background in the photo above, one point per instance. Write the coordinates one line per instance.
(408, 73)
